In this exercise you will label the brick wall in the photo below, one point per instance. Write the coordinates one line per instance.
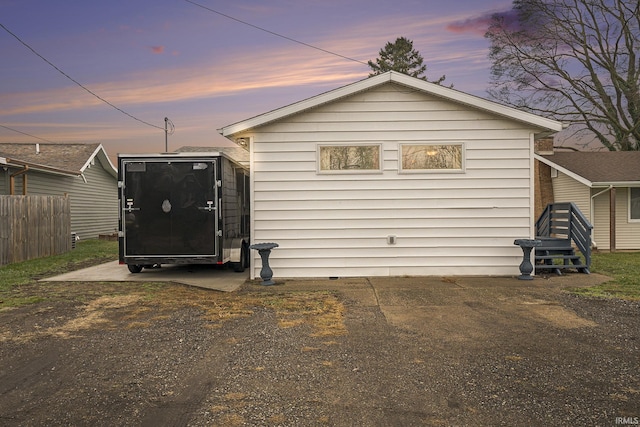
(543, 186)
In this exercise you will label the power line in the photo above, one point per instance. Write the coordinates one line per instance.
(24, 133)
(275, 34)
(75, 81)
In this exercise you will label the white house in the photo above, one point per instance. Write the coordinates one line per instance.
(392, 176)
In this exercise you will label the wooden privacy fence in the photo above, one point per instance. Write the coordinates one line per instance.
(34, 227)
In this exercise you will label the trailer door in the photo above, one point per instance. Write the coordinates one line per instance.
(170, 208)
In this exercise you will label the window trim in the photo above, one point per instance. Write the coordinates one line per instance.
(349, 171)
(629, 218)
(463, 161)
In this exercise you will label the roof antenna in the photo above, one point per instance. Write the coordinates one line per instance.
(169, 129)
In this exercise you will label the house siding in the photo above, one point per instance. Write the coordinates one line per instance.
(94, 204)
(444, 223)
(627, 233)
(4, 181)
(567, 189)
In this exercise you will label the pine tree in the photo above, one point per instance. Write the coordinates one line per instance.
(400, 56)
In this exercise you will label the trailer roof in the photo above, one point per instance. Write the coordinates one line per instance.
(236, 153)
(181, 155)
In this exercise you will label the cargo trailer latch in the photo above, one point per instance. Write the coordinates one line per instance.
(130, 207)
(209, 206)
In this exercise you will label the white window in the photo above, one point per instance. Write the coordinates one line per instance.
(434, 157)
(361, 158)
(634, 204)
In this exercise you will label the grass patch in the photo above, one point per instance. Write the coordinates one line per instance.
(14, 276)
(624, 268)
(321, 311)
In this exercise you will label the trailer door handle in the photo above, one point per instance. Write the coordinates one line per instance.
(209, 206)
(130, 207)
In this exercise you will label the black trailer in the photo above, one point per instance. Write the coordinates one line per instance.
(182, 208)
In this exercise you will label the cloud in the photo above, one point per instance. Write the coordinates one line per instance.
(480, 24)
(476, 24)
(282, 67)
(237, 74)
(200, 96)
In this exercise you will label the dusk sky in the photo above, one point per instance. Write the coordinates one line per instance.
(202, 70)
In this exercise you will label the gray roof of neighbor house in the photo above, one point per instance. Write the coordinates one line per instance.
(68, 159)
(598, 167)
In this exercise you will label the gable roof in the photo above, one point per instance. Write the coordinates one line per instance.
(402, 79)
(65, 159)
(597, 168)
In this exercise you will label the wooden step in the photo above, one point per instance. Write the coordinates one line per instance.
(560, 267)
(544, 260)
(557, 268)
(554, 249)
(572, 256)
(551, 242)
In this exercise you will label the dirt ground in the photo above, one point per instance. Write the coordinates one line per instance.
(347, 352)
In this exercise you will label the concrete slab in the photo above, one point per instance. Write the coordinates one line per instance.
(203, 276)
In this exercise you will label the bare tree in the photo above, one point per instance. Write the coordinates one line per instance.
(577, 61)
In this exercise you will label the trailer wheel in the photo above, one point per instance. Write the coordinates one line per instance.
(240, 266)
(134, 268)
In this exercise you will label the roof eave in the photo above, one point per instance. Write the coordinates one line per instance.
(37, 167)
(542, 123)
(564, 170)
(479, 103)
(104, 159)
(305, 104)
(617, 184)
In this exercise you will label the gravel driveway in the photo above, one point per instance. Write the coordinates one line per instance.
(348, 352)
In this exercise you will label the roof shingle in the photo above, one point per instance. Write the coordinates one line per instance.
(600, 166)
(65, 157)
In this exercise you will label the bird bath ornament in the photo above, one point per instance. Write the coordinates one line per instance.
(264, 249)
(526, 267)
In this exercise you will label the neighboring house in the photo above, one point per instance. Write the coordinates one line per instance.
(81, 171)
(391, 176)
(603, 185)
